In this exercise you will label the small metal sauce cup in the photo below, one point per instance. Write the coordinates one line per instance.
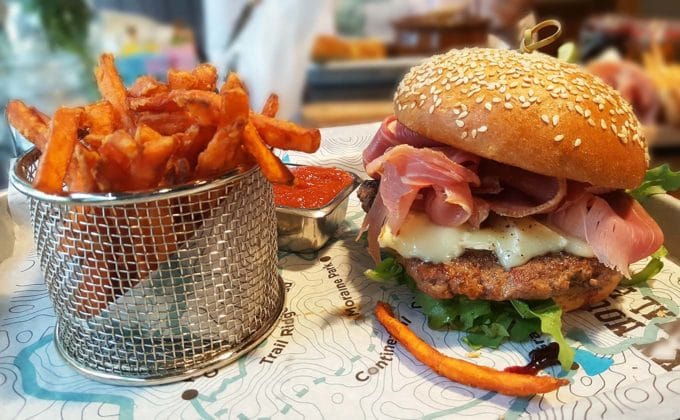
(308, 230)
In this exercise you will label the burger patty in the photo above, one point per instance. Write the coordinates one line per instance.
(478, 275)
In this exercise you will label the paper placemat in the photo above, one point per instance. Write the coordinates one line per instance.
(329, 358)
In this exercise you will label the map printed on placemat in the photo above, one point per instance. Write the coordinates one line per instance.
(329, 358)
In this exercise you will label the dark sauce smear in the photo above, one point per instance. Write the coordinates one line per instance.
(539, 358)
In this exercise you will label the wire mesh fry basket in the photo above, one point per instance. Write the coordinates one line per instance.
(151, 288)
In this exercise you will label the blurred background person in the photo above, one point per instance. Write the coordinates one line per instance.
(268, 43)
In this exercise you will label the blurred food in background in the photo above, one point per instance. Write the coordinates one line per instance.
(666, 77)
(439, 31)
(331, 47)
(335, 62)
(634, 84)
(639, 57)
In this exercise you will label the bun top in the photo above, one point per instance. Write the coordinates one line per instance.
(532, 111)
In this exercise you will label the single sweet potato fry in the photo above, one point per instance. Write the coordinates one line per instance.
(271, 106)
(112, 89)
(53, 165)
(286, 135)
(272, 168)
(513, 384)
(30, 122)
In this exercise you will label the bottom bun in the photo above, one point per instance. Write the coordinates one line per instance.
(573, 282)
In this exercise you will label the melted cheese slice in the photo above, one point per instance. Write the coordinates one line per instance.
(514, 241)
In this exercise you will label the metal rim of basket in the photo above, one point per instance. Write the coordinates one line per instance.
(216, 362)
(19, 181)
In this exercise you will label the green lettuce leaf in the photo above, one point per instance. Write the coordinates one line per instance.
(550, 316)
(387, 271)
(657, 180)
(652, 268)
(487, 323)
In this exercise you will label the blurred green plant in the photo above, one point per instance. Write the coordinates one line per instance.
(66, 24)
(350, 16)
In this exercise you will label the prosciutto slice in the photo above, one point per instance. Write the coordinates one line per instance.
(521, 193)
(406, 170)
(393, 133)
(616, 226)
(373, 223)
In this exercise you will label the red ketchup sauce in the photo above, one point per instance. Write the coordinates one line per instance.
(539, 358)
(313, 187)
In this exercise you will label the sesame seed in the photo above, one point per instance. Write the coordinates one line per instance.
(463, 114)
(479, 99)
(587, 113)
(456, 111)
(502, 89)
(474, 133)
(482, 129)
(508, 105)
(487, 106)
(577, 142)
(603, 124)
(496, 99)
(555, 120)
(460, 123)
(464, 135)
(431, 110)
(591, 122)
(508, 96)
(613, 128)
(545, 119)
(559, 137)
(526, 104)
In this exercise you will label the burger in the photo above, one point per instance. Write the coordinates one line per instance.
(504, 177)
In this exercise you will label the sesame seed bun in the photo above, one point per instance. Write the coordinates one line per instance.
(527, 110)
